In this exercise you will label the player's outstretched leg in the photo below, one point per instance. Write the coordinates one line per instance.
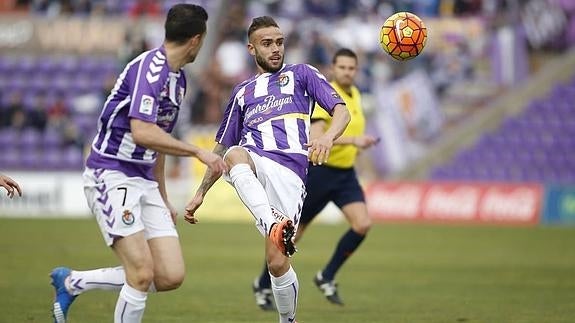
(328, 288)
(63, 298)
(282, 234)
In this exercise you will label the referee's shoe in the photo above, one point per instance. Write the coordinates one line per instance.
(328, 288)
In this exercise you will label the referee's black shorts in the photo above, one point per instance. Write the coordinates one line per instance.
(325, 184)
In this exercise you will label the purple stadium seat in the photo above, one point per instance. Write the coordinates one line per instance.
(30, 139)
(8, 138)
(72, 158)
(29, 159)
(51, 139)
(86, 122)
(10, 158)
(52, 159)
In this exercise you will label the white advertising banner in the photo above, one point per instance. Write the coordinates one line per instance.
(46, 194)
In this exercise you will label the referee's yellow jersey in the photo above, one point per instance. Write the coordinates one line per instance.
(343, 156)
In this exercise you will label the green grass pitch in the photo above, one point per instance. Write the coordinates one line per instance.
(402, 273)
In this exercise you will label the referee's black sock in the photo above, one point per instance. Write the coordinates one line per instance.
(265, 280)
(345, 248)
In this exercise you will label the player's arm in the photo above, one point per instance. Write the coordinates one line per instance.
(210, 177)
(160, 176)
(320, 147)
(151, 136)
(227, 136)
(318, 127)
(10, 185)
(341, 118)
(329, 100)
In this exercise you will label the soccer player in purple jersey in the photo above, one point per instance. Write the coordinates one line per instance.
(334, 181)
(264, 138)
(10, 185)
(124, 178)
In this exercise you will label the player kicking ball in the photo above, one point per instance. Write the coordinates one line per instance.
(334, 181)
(264, 139)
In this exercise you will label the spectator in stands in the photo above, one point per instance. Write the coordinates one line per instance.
(37, 117)
(145, 8)
(59, 118)
(133, 46)
(15, 114)
(10, 185)
(57, 112)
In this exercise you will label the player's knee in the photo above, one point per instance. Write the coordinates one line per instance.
(141, 278)
(277, 264)
(362, 226)
(235, 155)
(170, 281)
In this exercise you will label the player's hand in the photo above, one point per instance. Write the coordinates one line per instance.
(173, 211)
(191, 208)
(364, 142)
(213, 161)
(10, 185)
(319, 149)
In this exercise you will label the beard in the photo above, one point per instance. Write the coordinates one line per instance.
(267, 67)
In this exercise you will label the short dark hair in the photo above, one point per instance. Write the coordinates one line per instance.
(344, 52)
(184, 21)
(261, 22)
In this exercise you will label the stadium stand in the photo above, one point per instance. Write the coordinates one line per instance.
(54, 89)
(535, 146)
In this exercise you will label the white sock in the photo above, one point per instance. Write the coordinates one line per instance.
(130, 306)
(102, 278)
(285, 289)
(112, 278)
(253, 195)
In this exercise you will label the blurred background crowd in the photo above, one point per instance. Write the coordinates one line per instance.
(59, 60)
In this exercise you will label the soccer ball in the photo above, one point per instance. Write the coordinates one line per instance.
(403, 36)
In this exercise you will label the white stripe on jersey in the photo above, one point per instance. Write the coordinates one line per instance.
(240, 99)
(109, 126)
(292, 132)
(127, 146)
(148, 155)
(317, 72)
(142, 59)
(268, 139)
(250, 139)
(289, 87)
(261, 85)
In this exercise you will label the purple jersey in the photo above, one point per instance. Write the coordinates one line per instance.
(148, 91)
(270, 114)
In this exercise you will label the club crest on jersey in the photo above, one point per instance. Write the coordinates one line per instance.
(283, 80)
(128, 217)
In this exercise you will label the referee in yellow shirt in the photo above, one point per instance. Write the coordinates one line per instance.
(334, 181)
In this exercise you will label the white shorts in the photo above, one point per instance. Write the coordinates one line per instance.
(126, 205)
(285, 190)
